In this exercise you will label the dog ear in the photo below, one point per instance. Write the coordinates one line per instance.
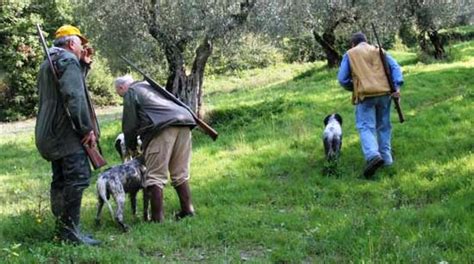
(338, 118)
(326, 120)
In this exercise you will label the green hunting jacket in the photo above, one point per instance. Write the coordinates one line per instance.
(146, 113)
(55, 134)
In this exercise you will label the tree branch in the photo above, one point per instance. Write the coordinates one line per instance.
(234, 20)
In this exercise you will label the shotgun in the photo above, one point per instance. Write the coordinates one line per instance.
(396, 101)
(93, 153)
(205, 127)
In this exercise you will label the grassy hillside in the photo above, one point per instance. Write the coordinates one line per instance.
(261, 191)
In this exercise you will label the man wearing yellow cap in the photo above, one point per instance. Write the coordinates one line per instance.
(63, 125)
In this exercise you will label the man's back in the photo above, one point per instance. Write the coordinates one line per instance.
(367, 70)
(147, 111)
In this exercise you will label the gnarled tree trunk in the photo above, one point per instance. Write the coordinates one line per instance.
(202, 54)
(437, 44)
(188, 86)
(327, 41)
(437, 50)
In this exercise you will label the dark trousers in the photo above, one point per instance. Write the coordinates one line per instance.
(71, 175)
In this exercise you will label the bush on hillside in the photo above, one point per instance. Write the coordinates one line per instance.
(408, 34)
(100, 83)
(248, 52)
(448, 37)
(20, 56)
(301, 49)
(457, 34)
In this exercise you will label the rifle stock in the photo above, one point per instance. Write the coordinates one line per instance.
(396, 101)
(205, 127)
(94, 156)
(93, 153)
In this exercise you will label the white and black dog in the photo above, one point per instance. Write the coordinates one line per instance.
(125, 154)
(116, 182)
(332, 136)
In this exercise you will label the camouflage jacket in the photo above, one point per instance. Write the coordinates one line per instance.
(56, 134)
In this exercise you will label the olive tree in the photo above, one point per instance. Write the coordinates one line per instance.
(184, 30)
(430, 17)
(331, 22)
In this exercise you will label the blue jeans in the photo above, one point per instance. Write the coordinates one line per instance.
(375, 129)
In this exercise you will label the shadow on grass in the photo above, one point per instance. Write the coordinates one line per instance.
(278, 199)
(306, 74)
(246, 116)
(320, 73)
(409, 61)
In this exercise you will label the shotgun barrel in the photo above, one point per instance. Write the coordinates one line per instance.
(93, 153)
(205, 127)
(396, 101)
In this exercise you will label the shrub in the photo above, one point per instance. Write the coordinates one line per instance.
(398, 45)
(408, 34)
(100, 83)
(20, 59)
(300, 49)
(21, 55)
(457, 34)
(249, 52)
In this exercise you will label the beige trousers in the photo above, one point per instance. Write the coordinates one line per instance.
(169, 151)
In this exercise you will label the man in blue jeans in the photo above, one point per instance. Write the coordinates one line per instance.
(362, 72)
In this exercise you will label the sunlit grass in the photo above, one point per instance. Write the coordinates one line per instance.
(260, 192)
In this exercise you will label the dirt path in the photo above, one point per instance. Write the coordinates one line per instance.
(108, 113)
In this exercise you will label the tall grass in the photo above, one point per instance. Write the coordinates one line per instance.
(260, 190)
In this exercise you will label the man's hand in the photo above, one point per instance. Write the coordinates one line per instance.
(87, 53)
(396, 94)
(89, 139)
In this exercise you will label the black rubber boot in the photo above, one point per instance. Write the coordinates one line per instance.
(57, 202)
(57, 207)
(155, 194)
(184, 194)
(70, 231)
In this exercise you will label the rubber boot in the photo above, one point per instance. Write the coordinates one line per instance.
(184, 194)
(57, 207)
(70, 231)
(155, 194)
(57, 202)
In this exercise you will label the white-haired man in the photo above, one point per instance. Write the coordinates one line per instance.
(165, 130)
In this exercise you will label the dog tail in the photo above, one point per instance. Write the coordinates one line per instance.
(102, 193)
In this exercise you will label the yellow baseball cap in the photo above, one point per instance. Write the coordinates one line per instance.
(68, 30)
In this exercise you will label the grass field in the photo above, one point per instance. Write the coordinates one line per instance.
(261, 192)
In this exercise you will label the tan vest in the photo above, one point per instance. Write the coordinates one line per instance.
(368, 75)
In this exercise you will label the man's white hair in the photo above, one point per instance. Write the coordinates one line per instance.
(61, 42)
(126, 79)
